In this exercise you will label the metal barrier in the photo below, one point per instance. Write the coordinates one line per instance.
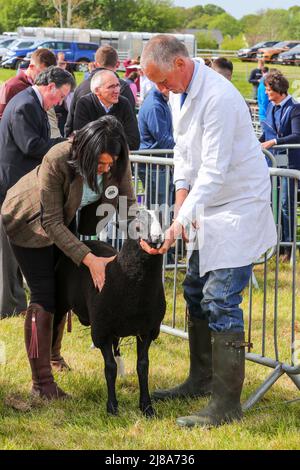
(270, 317)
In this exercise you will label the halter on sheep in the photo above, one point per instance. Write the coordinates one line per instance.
(131, 303)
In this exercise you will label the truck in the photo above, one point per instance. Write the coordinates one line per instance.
(75, 52)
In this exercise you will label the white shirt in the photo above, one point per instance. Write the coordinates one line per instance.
(219, 157)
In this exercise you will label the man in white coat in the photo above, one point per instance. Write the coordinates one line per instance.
(222, 189)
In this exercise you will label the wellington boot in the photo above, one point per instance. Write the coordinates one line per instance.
(198, 384)
(227, 383)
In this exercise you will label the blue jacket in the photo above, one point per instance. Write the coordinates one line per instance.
(155, 122)
(262, 100)
(288, 132)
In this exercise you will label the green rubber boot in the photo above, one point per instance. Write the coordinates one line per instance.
(227, 383)
(198, 384)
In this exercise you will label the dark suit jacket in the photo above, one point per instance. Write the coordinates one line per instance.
(39, 208)
(288, 132)
(24, 138)
(89, 108)
(84, 88)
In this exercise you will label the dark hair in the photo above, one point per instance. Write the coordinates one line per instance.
(265, 69)
(133, 76)
(44, 56)
(106, 56)
(277, 82)
(223, 63)
(106, 135)
(56, 75)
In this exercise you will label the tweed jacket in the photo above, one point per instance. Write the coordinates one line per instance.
(39, 208)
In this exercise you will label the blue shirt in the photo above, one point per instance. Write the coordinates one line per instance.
(262, 100)
(89, 196)
(155, 122)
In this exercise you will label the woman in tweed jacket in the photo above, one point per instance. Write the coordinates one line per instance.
(39, 214)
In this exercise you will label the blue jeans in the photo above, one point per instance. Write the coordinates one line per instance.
(217, 295)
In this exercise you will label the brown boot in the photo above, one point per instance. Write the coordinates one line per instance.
(38, 338)
(57, 361)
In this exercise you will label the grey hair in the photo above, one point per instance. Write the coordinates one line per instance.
(162, 50)
(99, 78)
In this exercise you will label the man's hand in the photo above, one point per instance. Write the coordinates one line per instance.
(268, 144)
(171, 234)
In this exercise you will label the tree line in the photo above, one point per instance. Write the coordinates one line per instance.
(154, 16)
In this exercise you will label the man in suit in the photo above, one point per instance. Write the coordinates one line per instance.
(24, 140)
(40, 60)
(105, 99)
(12, 294)
(216, 151)
(106, 57)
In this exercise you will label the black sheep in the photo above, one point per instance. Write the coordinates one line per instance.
(131, 303)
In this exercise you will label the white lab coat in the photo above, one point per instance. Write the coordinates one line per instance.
(218, 155)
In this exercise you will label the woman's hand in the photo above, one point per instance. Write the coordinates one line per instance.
(268, 144)
(97, 265)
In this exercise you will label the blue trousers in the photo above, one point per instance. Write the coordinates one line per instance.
(217, 295)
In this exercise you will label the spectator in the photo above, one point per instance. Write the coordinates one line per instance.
(39, 61)
(216, 150)
(131, 80)
(156, 131)
(282, 126)
(106, 57)
(61, 110)
(255, 77)
(131, 65)
(12, 294)
(105, 99)
(223, 66)
(24, 140)
(145, 86)
(262, 97)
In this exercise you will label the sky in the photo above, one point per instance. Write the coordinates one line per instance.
(239, 8)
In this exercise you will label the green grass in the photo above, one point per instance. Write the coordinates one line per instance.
(82, 422)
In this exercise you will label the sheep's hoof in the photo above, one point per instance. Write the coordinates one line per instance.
(148, 411)
(112, 408)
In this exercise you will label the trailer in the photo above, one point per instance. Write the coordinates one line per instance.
(128, 44)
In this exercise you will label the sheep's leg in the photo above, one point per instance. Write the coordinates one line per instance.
(143, 344)
(110, 370)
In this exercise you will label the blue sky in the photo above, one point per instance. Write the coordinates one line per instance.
(239, 8)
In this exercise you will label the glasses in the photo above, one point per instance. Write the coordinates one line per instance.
(112, 87)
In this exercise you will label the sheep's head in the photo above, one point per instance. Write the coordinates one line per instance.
(146, 225)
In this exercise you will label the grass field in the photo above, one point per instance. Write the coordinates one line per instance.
(82, 423)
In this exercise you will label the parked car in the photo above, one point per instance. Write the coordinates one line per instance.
(271, 54)
(250, 53)
(76, 52)
(5, 42)
(291, 57)
(18, 44)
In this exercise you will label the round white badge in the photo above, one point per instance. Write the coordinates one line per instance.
(111, 192)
